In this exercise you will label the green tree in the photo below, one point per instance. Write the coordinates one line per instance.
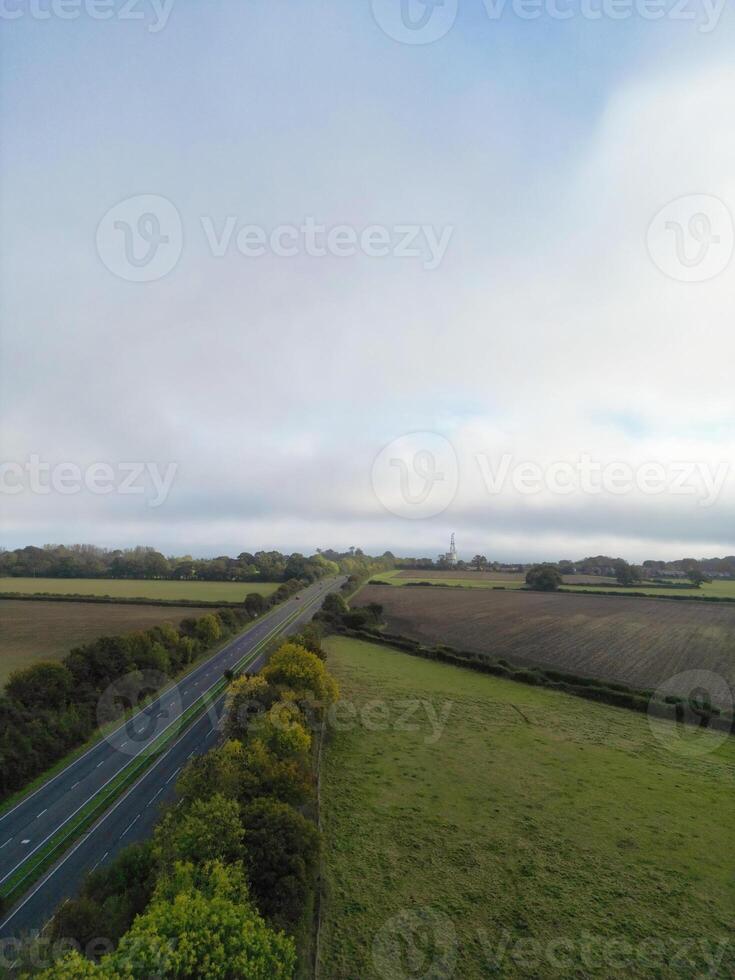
(296, 669)
(281, 854)
(200, 923)
(208, 830)
(544, 578)
(626, 574)
(208, 629)
(479, 562)
(42, 686)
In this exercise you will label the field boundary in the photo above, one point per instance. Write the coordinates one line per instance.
(118, 600)
(577, 590)
(613, 694)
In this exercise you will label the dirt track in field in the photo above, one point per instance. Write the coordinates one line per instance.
(639, 642)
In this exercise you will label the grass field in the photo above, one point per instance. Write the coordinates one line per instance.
(533, 818)
(33, 631)
(138, 589)
(595, 583)
(639, 642)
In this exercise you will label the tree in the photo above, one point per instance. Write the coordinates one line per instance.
(208, 830)
(281, 854)
(200, 923)
(626, 574)
(208, 629)
(217, 772)
(44, 685)
(479, 562)
(289, 780)
(544, 578)
(247, 698)
(294, 668)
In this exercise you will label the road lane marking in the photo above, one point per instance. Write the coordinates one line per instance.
(130, 825)
(6, 843)
(173, 774)
(277, 627)
(123, 726)
(41, 813)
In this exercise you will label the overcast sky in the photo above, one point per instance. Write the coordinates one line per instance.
(554, 306)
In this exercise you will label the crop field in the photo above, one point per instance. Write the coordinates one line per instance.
(33, 631)
(508, 580)
(639, 642)
(138, 588)
(533, 835)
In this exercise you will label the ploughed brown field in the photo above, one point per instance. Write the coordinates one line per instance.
(468, 574)
(639, 642)
(37, 630)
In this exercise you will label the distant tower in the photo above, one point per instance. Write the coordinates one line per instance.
(452, 555)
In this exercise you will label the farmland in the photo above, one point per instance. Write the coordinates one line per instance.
(534, 818)
(33, 631)
(639, 642)
(138, 588)
(723, 589)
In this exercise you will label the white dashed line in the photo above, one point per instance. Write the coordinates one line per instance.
(41, 813)
(173, 774)
(129, 826)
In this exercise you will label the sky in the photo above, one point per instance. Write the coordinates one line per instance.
(296, 275)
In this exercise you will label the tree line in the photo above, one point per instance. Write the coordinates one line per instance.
(225, 886)
(51, 708)
(89, 561)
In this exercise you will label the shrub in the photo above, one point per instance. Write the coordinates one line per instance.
(544, 578)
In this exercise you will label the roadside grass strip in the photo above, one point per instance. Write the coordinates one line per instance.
(30, 870)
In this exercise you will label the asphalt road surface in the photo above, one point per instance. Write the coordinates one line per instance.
(25, 828)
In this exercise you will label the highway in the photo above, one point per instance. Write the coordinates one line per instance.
(28, 826)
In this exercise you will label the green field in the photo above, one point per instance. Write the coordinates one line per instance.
(33, 631)
(533, 818)
(138, 588)
(468, 580)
